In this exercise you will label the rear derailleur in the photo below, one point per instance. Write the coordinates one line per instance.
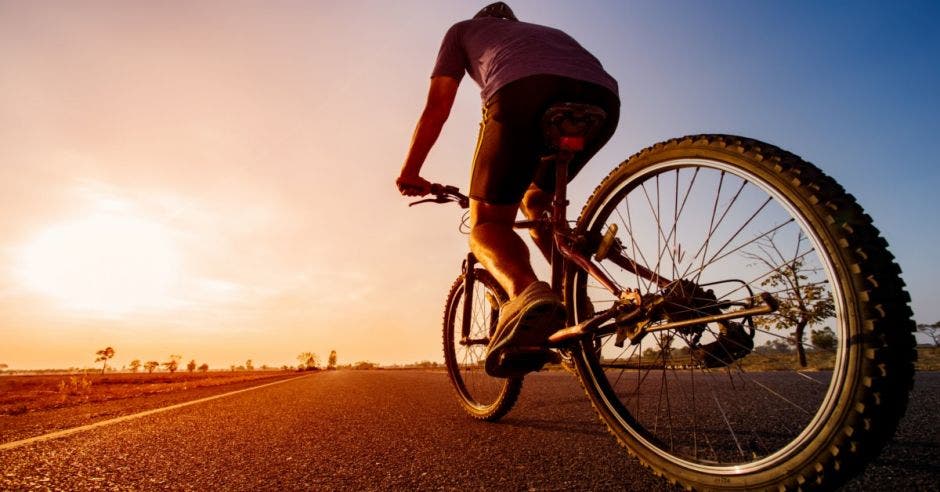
(687, 309)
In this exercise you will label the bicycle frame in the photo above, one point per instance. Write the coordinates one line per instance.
(565, 255)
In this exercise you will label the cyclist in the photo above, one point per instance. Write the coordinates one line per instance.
(522, 69)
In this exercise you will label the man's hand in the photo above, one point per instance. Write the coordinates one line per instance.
(413, 185)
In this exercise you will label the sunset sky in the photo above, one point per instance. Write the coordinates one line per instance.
(215, 179)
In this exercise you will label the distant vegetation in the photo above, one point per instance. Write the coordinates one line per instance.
(803, 302)
(172, 364)
(103, 356)
(308, 361)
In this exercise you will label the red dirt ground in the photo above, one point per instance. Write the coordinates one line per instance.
(21, 394)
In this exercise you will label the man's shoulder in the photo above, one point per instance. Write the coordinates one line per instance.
(485, 22)
(502, 27)
(460, 26)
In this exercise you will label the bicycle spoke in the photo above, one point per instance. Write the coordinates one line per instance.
(713, 393)
(660, 236)
(733, 236)
(633, 244)
(713, 226)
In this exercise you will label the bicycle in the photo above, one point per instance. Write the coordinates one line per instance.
(685, 257)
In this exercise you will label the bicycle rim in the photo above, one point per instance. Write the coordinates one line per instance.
(727, 230)
(481, 395)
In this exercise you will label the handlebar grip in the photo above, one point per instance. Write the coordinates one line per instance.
(444, 194)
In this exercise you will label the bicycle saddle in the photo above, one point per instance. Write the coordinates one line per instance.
(568, 125)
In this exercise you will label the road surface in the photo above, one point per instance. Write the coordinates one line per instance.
(391, 430)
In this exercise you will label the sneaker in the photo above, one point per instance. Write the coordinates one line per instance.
(519, 343)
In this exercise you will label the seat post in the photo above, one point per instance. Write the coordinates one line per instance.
(567, 128)
(559, 214)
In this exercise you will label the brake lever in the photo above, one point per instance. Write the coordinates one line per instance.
(437, 199)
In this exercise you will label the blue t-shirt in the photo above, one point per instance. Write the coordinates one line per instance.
(496, 52)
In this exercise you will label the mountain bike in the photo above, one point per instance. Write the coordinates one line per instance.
(695, 279)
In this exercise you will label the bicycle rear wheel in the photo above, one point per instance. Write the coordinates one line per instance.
(482, 396)
(754, 403)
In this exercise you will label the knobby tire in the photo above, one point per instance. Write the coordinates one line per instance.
(867, 390)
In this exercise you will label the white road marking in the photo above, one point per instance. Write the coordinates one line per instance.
(74, 430)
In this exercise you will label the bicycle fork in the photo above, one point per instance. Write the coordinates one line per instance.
(469, 280)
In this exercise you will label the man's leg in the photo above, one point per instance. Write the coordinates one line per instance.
(497, 246)
(533, 311)
(535, 203)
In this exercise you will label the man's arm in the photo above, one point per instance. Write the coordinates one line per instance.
(441, 96)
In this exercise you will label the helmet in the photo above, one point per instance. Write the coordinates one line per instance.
(499, 10)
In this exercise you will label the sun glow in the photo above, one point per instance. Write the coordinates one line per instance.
(108, 263)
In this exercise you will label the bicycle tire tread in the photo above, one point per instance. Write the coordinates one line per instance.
(887, 373)
(510, 393)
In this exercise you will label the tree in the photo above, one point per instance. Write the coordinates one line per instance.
(191, 366)
(308, 361)
(204, 367)
(173, 364)
(824, 339)
(103, 356)
(365, 365)
(331, 361)
(151, 365)
(3, 366)
(774, 346)
(803, 301)
(135, 365)
(249, 366)
(932, 331)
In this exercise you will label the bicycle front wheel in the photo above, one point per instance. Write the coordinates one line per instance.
(800, 397)
(467, 330)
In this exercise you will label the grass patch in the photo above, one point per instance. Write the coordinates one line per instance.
(22, 394)
(928, 358)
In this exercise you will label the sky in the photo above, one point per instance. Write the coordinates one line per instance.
(215, 179)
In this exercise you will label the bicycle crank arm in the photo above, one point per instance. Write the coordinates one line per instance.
(474, 341)
(596, 326)
(586, 327)
(770, 305)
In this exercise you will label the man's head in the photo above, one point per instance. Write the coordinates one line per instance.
(498, 9)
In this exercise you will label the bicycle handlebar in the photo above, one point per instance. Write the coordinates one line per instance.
(445, 194)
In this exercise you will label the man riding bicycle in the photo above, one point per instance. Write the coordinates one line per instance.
(522, 69)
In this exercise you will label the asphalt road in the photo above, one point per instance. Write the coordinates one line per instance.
(392, 430)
